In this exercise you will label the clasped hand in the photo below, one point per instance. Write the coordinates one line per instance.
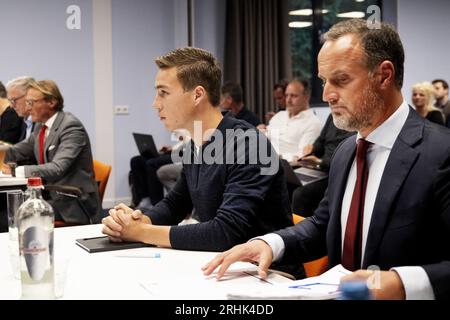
(6, 169)
(124, 223)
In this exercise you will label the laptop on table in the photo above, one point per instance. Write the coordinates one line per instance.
(146, 145)
(302, 175)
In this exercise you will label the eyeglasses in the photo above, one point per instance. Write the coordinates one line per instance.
(31, 102)
(13, 101)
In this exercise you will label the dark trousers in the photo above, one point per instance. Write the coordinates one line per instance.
(305, 199)
(143, 178)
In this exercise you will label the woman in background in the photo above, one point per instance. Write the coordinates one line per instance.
(423, 99)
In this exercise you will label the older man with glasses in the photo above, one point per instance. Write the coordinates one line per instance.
(10, 123)
(17, 90)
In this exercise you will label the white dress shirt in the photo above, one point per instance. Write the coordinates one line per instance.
(20, 171)
(29, 123)
(289, 135)
(415, 280)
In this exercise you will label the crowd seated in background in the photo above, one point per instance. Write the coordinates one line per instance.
(422, 99)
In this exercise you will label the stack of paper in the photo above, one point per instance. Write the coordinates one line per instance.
(321, 287)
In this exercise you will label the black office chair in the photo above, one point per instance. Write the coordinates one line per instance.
(71, 192)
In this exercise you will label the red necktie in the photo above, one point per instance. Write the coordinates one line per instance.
(41, 143)
(351, 256)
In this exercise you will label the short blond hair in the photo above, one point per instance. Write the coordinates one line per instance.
(428, 89)
(50, 91)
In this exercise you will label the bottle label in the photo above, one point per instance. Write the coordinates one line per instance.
(35, 251)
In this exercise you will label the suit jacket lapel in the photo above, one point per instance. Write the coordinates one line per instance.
(401, 159)
(53, 134)
(337, 183)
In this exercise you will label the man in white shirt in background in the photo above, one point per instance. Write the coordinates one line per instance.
(297, 126)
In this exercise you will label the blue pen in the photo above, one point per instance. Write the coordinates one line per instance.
(307, 286)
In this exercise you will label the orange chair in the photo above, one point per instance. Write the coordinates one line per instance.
(60, 224)
(2, 157)
(102, 172)
(316, 267)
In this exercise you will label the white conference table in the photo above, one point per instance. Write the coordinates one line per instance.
(8, 182)
(176, 275)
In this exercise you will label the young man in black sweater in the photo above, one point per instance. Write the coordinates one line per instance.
(231, 176)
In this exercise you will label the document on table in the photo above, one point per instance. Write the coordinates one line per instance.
(178, 286)
(322, 287)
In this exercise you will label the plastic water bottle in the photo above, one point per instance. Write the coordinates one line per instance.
(35, 225)
(354, 290)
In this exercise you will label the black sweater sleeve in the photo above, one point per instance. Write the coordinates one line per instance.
(244, 193)
(175, 207)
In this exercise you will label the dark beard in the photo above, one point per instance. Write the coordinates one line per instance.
(371, 103)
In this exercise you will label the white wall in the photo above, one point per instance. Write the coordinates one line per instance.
(141, 31)
(209, 27)
(36, 42)
(424, 29)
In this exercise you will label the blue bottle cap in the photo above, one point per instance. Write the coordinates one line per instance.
(354, 290)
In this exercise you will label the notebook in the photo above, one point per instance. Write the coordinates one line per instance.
(301, 175)
(101, 244)
(146, 145)
(323, 287)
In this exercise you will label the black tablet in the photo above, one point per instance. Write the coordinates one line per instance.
(100, 244)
